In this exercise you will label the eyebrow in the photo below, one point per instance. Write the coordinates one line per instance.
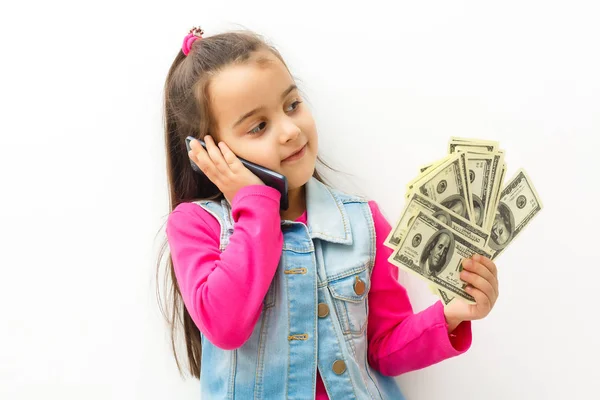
(251, 113)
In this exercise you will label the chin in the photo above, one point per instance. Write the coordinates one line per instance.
(299, 178)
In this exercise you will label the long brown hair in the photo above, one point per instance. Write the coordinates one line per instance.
(187, 113)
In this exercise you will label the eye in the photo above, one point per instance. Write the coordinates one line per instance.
(294, 105)
(258, 128)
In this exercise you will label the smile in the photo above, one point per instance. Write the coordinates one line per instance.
(297, 155)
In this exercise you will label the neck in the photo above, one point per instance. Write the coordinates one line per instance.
(297, 204)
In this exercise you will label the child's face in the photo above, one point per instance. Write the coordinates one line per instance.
(280, 125)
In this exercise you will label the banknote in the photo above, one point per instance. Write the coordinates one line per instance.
(423, 168)
(496, 192)
(475, 140)
(446, 184)
(467, 144)
(519, 203)
(418, 202)
(465, 192)
(494, 186)
(434, 252)
(442, 294)
(479, 169)
(424, 171)
(475, 147)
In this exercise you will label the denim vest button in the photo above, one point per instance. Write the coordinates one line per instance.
(323, 310)
(339, 367)
(359, 286)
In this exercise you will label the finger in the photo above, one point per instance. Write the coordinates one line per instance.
(479, 269)
(230, 158)
(216, 156)
(480, 298)
(479, 283)
(200, 157)
(195, 147)
(486, 262)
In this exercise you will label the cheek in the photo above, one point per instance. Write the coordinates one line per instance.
(255, 153)
(307, 125)
(270, 161)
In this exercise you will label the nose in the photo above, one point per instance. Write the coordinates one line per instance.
(288, 129)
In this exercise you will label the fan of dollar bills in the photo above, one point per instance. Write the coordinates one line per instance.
(459, 206)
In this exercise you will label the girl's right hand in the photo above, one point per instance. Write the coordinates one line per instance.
(222, 167)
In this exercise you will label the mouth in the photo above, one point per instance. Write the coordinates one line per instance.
(296, 155)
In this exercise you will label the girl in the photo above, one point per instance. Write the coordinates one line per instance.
(293, 304)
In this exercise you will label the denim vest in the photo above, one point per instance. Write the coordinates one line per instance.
(314, 314)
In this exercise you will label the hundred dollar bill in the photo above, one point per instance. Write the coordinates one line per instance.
(519, 203)
(494, 187)
(447, 185)
(496, 192)
(418, 202)
(442, 294)
(425, 167)
(467, 144)
(474, 146)
(434, 252)
(425, 170)
(479, 168)
(474, 140)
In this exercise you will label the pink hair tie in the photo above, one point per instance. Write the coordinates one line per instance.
(195, 33)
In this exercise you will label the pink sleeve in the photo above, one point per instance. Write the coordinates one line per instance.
(400, 340)
(224, 291)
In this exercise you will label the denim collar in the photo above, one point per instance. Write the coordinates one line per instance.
(327, 218)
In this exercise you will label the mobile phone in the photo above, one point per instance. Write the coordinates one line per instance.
(269, 177)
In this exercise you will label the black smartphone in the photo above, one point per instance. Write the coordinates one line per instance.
(269, 177)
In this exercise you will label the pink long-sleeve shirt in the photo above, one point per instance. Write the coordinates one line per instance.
(225, 301)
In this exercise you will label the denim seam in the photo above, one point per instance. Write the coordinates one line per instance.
(258, 387)
(232, 374)
(323, 376)
(315, 319)
(287, 290)
(347, 273)
(367, 370)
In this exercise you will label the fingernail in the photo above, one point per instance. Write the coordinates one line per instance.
(476, 257)
(467, 263)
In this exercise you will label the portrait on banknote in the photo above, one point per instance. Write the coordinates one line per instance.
(503, 227)
(435, 255)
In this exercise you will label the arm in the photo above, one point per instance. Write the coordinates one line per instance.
(224, 291)
(400, 340)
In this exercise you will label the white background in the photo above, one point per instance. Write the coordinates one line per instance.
(84, 195)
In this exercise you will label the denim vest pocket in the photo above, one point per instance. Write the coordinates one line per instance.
(350, 306)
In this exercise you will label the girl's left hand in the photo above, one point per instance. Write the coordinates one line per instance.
(481, 275)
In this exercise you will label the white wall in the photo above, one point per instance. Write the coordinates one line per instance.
(84, 187)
